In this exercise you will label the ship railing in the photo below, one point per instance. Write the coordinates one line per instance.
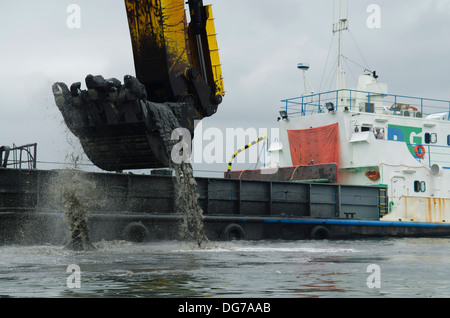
(18, 157)
(370, 102)
(435, 154)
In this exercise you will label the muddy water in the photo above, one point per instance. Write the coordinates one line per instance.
(186, 193)
(192, 228)
(408, 267)
(76, 193)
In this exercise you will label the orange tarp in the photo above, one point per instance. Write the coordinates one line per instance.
(320, 144)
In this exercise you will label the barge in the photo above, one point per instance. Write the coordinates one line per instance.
(141, 208)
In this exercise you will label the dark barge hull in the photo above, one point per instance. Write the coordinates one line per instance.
(141, 208)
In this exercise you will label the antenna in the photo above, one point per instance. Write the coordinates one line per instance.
(340, 26)
(304, 67)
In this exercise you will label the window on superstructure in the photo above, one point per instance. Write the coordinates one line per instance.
(423, 187)
(433, 138)
(448, 140)
(379, 133)
(430, 138)
(420, 186)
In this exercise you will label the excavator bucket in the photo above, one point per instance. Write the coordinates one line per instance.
(116, 129)
(178, 81)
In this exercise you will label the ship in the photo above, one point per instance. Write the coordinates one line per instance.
(375, 138)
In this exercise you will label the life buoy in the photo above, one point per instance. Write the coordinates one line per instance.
(232, 232)
(420, 151)
(373, 175)
(320, 233)
(412, 108)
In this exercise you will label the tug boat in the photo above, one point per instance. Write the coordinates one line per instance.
(376, 139)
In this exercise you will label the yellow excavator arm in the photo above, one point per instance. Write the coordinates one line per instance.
(177, 69)
(174, 60)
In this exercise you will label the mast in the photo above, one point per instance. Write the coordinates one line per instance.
(340, 26)
(304, 67)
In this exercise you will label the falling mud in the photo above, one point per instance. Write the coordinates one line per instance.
(75, 193)
(76, 211)
(186, 193)
(186, 201)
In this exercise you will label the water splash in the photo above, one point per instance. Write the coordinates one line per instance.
(71, 189)
(186, 193)
(75, 193)
(192, 227)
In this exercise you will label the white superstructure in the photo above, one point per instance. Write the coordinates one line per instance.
(401, 142)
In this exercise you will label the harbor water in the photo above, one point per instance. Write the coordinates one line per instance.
(394, 267)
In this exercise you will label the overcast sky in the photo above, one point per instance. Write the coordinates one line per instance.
(260, 44)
